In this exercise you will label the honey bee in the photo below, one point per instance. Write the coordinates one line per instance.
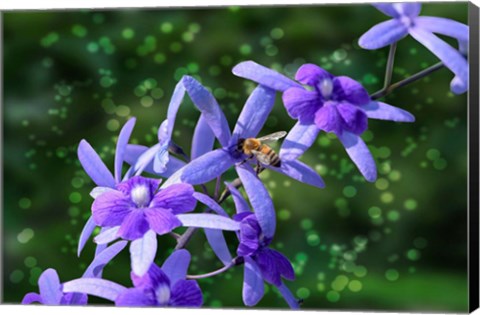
(257, 147)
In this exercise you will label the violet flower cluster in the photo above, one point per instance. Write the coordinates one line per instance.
(164, 188)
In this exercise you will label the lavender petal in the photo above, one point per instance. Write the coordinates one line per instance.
(134, 297)
(134, 152)
(85, 235)
(301, 172)
(32, 297)
(97, 191)
(288, 296)
(210, 109)
(186, 293)
(107, 236)
(387, 9)
(253, 288)
(241, 205)
(411, 9)
(208, 221)
(176, 265)
(443, 26)
(218, 244)
(178, 197)
(209, 202)
(162, 221)
(259, 199)
(173, 106)
(383, 34)
(457, 86)
(360, 155)
(451, 58)
(206, 167)
(93, 286)
(383, 111)
(122, 142)
(203, 139)
(142, 253)
(255, 113)
(95, 269)
(50, 288)
(298, 140)
(253, 71)
(93, 165)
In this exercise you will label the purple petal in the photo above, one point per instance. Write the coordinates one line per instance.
(301, 104)
(241, 204)
(274, 266)
(383, 34)
(347, 89)
(253, 288)
(186, 293)
(458, 86)
(255, 113)
(122, 142)
(134, 152)
(387, 9)
(298, 140)
(74, 299)
(101, 260)
(311, 74)
(173, 106)
(176, 265)
(379, 110)
(209, 202)
(110, 208)
(94, 286)
(134, 226)
(208, 221)
(218, 244)
(301, 172)
(250, 233)
(209, 107)
(154, 278)
(162, 221)
(355, 120)
(93, 165)
(135, 297)
(253, 71)
(107, 236)
(328, 119)
(206, 167)
(451, 58)
(443, 26)
(411, 9)
(85, 235)
(178, 197)
(50, 289)
(288, 296)
(142, 253)
(203, 139)
(32, 297)
(360, 155)
(161, 159)
(259, 199)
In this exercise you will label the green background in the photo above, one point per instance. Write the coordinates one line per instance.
(397, 244)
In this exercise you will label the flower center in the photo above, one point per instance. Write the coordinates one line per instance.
(326, 88)
(407, 21)
(140, 195)
(163, 294)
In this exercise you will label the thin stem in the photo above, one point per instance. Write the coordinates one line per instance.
(217, 187)
(236, 261)
(417, 76)
(389, 69)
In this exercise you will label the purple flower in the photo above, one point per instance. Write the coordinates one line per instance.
(138, 205)
(406, 20)
(333, 104)
(51, 290)
(165, 286)
(251, 120)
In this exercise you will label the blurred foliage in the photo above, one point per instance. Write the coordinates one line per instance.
(397, 244)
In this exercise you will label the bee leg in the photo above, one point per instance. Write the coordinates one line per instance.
(246, 160)
(259, 168)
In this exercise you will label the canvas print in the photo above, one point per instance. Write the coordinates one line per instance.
(299, 157)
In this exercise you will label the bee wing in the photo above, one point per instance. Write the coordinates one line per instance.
(262, 158)
(272, 137)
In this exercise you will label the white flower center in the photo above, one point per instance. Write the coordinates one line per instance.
(140, 195)
(163, 294)
(326, 88)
